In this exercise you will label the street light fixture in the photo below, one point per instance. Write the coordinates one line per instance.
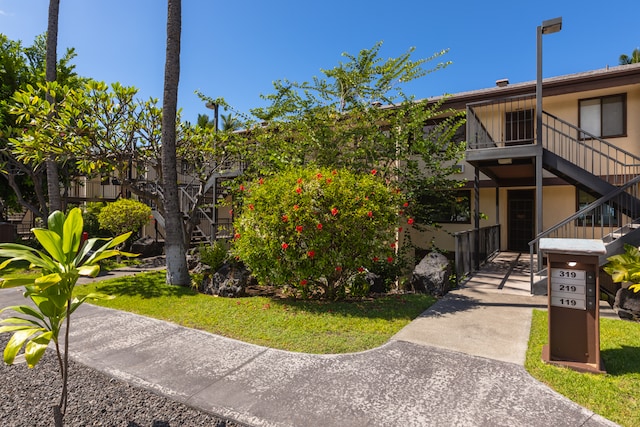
(549, 26)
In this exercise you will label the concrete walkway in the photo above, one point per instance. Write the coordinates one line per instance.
(458, 364)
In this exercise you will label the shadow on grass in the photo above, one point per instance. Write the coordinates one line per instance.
(389, 307)
(620, 361)
(144, 286)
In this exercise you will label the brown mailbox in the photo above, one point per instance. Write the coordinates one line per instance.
(573, 303)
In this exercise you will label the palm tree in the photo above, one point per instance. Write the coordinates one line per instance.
(633, 59)
(177, 272)
(204, 122)
(230, 122)
(53, 185)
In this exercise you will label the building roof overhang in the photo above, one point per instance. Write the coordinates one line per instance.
(571, 83)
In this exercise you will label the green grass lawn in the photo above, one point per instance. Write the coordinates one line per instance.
(302, 326)
(615, 395)
(17, 269)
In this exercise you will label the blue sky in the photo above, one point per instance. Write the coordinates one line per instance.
(236, 49)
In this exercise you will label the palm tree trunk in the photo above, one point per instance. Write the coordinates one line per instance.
(53, 185)
(177, 272)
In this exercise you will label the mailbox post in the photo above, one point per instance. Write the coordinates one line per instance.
(573, 291)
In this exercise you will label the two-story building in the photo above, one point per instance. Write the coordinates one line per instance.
(573, 173)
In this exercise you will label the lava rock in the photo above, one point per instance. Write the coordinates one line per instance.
(432, 275)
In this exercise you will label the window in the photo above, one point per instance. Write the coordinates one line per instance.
(604, 215)
(604, 117)
(519, 127)
(456, 208)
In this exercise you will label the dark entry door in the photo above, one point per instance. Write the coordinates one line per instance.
(521, 214)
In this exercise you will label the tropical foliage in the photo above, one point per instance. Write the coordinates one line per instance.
(625, 267)
(23, 185)
(63, 259)
(311, 230)
(358, 117)
(124, 215)
(633, 59)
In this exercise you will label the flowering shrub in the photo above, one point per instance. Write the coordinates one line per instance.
(311, 230)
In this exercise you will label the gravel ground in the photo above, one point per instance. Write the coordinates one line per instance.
(95, 399)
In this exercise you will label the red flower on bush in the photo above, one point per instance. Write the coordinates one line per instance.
(376, 259)
(237, 236)
(296, 207)
(392, 245)
(373, 171)
(410, 221)
(250, 207)
(285, 246)
(285, 218)
(319, 226)
(338, 268)
(299, 228)
(334, 172)
(303, 282)
(319, 176)
(241, 187)
(261, 181)
(390, 259)
(328, 180)
(406, 204)
(298, 190)
(369, 214)
(360, 269)
(334, 211)
(311, 254)
(299, 180)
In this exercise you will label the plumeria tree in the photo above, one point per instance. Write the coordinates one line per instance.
(312, 230)
(23, 183)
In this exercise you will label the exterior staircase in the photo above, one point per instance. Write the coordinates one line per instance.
(603, 170)
(200, 201)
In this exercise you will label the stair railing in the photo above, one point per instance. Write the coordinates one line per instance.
(595, 220)
(593, 154)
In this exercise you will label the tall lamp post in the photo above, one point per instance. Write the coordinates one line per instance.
(214, 106)
(549, 26)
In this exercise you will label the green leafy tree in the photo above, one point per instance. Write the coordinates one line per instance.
(64, 258)
(358, 117)
(633, 59)
(204, 121)
(313, 229)
(124, 216)
(23, 184)
(230, 122)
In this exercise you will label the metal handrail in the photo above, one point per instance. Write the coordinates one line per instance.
(593, 154)
(466, 259)
(630, 188)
